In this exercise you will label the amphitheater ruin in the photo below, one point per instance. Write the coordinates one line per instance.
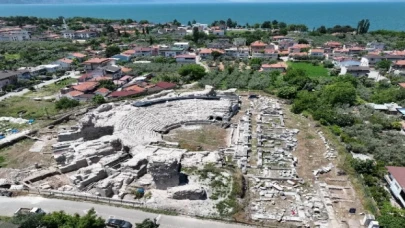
(118, 151)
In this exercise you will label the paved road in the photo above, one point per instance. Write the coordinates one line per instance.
(9, 205)
(24, 91)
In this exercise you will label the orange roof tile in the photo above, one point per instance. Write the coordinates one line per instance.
(78, 55)
(135, 88)
(97, 60)
(85, 86)
(68, 61)
(74, 93)
(400, 63)
(103, 90)
(258, 44)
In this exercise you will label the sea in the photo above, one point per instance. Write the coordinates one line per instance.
(382, 15)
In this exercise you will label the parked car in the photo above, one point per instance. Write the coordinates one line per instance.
(118, 223)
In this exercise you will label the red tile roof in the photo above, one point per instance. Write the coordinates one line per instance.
(317, 50)
(97, 79)
(126, 77)
(103, 90)
(74, 93)
(97, 60)
(276, 65)
(400, 63)
(402, 84)
(398, 173)
(166, 85)
(206, 51)
(122, 93)
(78, 55)
(258, 44)
(135, 88)
(85, 86)
(128, 52)
(84, 77)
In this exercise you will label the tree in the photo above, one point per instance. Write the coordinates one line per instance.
(147, 223)
(303, 41)
(112, 50)
(322, 29)
(194, 22)
(266, 24)
(196, 34)
(340, 93)
(287, 92)
(363, 26)
(108, 84)
(61, 219)
(66, 103)
(383, 65)
(192, 72)
(28, 220)
(176, 23)
(129, 21)
(98, 99)
(215, 54)
(189, 23)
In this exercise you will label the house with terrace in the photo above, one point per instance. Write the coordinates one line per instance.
(396, 182)
(186, 59)
(95, 63)
(281, 67)
(317, 52)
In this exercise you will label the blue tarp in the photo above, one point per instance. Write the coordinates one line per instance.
(31, 121)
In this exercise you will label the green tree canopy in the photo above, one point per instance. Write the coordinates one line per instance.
(147, 223)
(339, 93)
(66, 103)
(112, 50)
(192, 72)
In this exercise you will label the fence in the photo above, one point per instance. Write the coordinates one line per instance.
(73, 195)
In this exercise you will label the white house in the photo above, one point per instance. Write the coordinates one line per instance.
(14, 34)
(183, 45)
(396, 182)
(64, 63)
(242, 53)
(68, 34)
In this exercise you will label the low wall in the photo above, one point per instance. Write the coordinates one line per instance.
(164, 100)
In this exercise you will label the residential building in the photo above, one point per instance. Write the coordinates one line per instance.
(86, 87)
(14, 34)
(64, 63)
(398, 66)
(317, 52)
(345, 62)
(171, 52)
(8, 77)
(337, 52)
(120, 94)
(186, 58)
(285, 44)
(396, 182)
(297, 48)
(239, 42)
(257, 47)
(355, 50)
(68, 34)
(77, 55)
(206, 53)
(122, 57)
(241, 53)
(374, 58)
(182, 45)
(266, 54)
(218, 32)
(281, 66)
(94, 63)
(102, 91)
(333, 45)
(142, 51)
(374, 46)
(113, 71)
(74, 94)
(358, 70)
(166, 85)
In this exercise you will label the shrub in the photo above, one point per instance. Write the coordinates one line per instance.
(98, 99)
(66, 103)
(287, 92)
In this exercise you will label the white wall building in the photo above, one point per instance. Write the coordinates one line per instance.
(396, 182)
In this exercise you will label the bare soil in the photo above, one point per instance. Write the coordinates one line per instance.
(209, 137)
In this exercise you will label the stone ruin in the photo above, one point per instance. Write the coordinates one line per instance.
(118, 147)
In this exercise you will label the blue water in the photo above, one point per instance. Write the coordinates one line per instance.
(382, 15)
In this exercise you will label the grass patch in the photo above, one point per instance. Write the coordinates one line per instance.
(52, 88)
(31, 109)
(312, 71)
(12, 56)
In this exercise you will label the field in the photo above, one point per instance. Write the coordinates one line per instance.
(31, 108)
(312, 71)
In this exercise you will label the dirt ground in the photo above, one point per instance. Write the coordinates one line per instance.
(197, 138)
(18, 156)
(310, 156)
